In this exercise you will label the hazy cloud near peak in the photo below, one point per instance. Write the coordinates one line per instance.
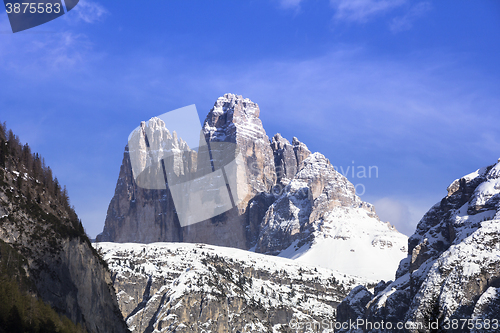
(290, 4)
(89, 12)
(402, 215)
(362, 10)
(405, 22)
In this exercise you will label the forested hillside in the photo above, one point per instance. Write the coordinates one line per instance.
(52, 280)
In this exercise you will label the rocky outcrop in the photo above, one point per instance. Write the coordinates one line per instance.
(452, 271)
(318, 214)
(143, 215)
(64, 269)
(236, 119)
(137, 214)
(180, 287)
(292, 199)
(287, 157)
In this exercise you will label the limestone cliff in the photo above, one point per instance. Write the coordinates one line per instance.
(37, 221)
(141, 215)
(293, 198)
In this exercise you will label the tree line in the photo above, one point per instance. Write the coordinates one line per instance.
(18, 157)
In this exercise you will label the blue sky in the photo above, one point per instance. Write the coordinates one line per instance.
(411, 87)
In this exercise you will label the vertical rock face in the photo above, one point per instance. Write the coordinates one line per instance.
(235, 119)
(452, 270)
(293, 197)
(137, 214)
(287, 157)
(141, 215)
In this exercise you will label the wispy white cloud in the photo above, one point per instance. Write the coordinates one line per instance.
(404, 214)
(43, 55)
(362, 10)
(405, 22)
(89, 12)
(395, 212)
(290, 4)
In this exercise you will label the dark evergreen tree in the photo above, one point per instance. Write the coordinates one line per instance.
(3, 131)
(14, 323)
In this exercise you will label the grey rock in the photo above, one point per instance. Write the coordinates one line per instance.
(64, 268)
(315, 190)
(289, 189)
(452, 270)
(179, 287)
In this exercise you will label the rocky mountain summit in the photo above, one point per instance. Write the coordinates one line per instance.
(295, 201)
(182, 287)
(451, 275)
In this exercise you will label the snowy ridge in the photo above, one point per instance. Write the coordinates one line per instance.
(187, 287)
(452, 270)
(353, 242)
(321, 221)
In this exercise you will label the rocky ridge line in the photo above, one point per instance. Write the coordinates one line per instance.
(452, 271)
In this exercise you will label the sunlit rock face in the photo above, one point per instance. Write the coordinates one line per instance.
(143, 215)
(452, 270)
(289, 201)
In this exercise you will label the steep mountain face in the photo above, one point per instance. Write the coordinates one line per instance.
(452, 271)
(181, 287)
(319, 213)
(297, 204)
(37, 222)
(137, 214)
(141, 215)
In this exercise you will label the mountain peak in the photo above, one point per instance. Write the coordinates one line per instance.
(229, 102)
(233, 116)
(294, 201)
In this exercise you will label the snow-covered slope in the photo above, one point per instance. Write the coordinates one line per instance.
(452, 271)
(181, 287)
(319, 220)
(352, 242)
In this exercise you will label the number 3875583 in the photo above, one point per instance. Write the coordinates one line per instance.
(28, 7)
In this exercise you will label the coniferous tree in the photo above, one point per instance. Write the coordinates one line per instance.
(3, 152)
(27, 158)
(37, 166)
(47, 177)
(14, 322)
(56, 188)
(3, 131)
(13, 144)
